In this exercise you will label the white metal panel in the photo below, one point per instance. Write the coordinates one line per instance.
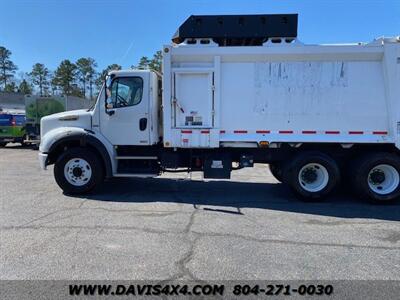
(299, 93)
(194, 99)
(303, 96)
(155, 121)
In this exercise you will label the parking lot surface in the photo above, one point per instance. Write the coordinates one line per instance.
(172, 228)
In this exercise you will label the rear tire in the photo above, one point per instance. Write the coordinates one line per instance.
(376, 177)
(78, 171)
(312, 175)
(276, 171)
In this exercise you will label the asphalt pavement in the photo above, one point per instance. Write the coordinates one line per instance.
(180, 226)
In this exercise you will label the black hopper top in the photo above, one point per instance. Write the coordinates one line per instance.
(238, 30)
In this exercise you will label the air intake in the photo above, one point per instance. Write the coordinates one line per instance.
(238, 30)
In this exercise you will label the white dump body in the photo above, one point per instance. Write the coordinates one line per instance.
(284, 92)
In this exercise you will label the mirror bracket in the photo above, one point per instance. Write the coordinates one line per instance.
(110, 112)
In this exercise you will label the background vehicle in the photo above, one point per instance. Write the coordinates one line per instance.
(12, 127)
(38, 107)
(239, 90)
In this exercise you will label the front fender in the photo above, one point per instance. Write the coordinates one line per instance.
(51, 137)
(58, 136)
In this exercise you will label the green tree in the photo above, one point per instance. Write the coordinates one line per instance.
(102, 75)
(143, 63)
(86, 72)
(156, 62)
(152, 64)
(76, 91)
(10, 87)
(65, 76)
(25, 87)
(53, 84)
(7, 67)
(40, 77)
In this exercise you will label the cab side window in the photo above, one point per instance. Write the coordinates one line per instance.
(126, 91)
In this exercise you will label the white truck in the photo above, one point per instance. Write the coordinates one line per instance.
(239, 90)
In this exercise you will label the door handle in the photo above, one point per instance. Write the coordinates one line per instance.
(143, 124)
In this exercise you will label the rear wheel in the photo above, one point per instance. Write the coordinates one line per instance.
(276, 171)
(78, 171)
(376, 177)
(312, 175)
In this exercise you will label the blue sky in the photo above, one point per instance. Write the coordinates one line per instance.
(118, 31)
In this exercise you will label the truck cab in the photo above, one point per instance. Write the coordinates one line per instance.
(128, 113)
(124, 117)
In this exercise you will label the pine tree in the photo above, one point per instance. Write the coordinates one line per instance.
(10, 87)
(65, 76)
(7, 67)
(25, 87)
(86, 72)
(103, 74)
(40, 77)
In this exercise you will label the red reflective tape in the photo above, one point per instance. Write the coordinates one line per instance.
(240, 131)
(205, 131)
(380, 132)
(263, 131)
(286, 131)
(222, 131)
(332, 132)
(186, 131)
(309, 132)
(356, 132)
(185, 140)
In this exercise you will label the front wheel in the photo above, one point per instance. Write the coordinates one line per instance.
(78, 171)
(312, 175)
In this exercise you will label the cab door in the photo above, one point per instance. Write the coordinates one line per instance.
(126, 119)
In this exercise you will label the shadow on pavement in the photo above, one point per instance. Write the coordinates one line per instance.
(224, 195)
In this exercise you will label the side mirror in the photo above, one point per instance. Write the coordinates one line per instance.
(109, 107)
(108, 101)
(109, 104)
(108, 81)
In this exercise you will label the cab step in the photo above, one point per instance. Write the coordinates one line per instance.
(137, 157)
(138, 165)
(131, 175)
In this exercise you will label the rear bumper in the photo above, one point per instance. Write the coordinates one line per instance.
(43, 160)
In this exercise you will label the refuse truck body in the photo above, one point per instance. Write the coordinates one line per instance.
(239, 90)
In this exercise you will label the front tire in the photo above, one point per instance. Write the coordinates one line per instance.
(312, 175)
(78, 171)
(376, 177)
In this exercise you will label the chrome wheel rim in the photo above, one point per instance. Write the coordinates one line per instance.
(383, 179)
(313, 177)
(77, 171)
